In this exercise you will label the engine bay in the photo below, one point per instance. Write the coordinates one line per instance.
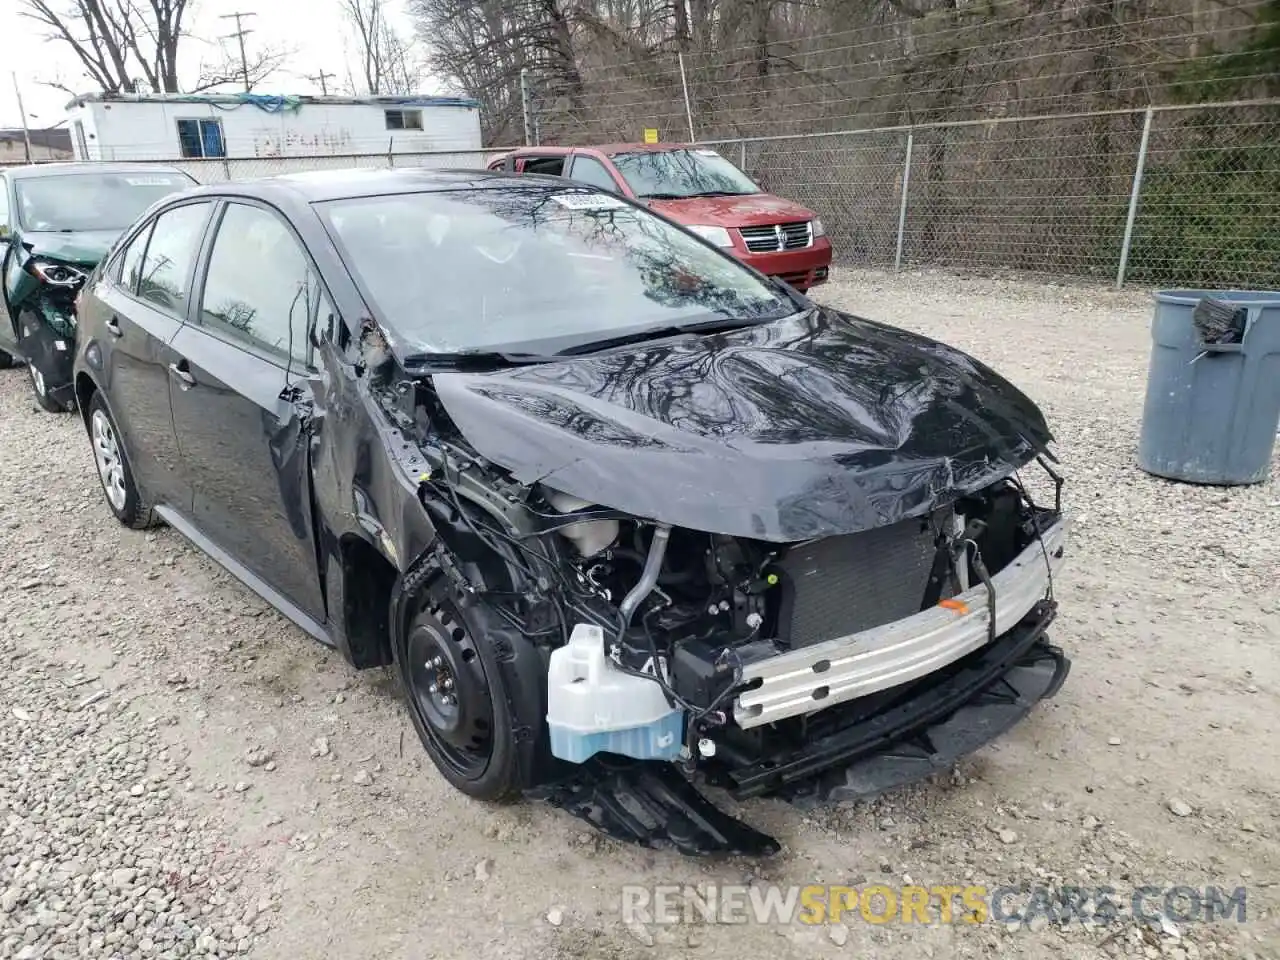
(686, 612)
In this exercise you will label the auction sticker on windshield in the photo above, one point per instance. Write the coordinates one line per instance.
(150, 181)
(588, 201)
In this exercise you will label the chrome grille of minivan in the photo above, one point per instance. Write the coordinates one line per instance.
(778, 236)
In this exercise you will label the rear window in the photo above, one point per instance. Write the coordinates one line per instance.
(553, 166)
(92, 201)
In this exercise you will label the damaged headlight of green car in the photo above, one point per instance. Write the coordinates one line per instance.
(56, 274)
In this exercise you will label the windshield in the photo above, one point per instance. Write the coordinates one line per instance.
(676, 174)
(92, 201)
(527, 269)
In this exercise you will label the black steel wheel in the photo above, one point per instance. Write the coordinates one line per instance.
(450, 689)
(456, 697)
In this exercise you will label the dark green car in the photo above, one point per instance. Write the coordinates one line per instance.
(56, 222)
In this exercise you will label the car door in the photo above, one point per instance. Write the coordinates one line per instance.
(8, 330)
(242, 435)
(144, 296)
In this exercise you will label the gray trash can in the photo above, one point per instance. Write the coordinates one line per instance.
(1212, 409)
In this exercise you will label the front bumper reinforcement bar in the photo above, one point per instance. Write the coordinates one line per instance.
(822, 675)
(930, 726)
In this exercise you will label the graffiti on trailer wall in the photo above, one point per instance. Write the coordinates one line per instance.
(276, 143)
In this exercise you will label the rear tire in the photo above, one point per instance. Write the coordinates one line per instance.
(6, 361)
(455, 693)
(118, 486)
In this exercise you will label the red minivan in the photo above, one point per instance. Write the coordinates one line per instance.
(702, 191)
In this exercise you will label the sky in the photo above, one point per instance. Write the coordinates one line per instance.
(315, 29)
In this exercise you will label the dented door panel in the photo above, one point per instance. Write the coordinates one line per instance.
(244, 445)
(359, 488)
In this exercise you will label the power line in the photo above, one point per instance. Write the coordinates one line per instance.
(239, 35)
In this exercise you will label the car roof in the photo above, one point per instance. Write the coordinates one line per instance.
(40, 170)
(639, 147)
(606, 148)
(317, 186)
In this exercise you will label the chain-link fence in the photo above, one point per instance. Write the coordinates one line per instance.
(1187, 195)
(1168, 195)
(982, 136)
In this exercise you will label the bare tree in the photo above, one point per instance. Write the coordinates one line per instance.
(249, 74)
(386, 63)
(482, 45)
(600, 69)
(127, 44)
(120, 42)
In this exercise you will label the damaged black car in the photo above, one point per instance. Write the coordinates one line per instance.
(629, 520)
(57, 220)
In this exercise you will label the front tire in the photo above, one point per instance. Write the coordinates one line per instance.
(455, 693)
(118, 486)
(6, 361)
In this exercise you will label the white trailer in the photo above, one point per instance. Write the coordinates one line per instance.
(240, 127)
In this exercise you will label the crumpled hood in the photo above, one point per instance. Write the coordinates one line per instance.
(815, 425)
(83, 248)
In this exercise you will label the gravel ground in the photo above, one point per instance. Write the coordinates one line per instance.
(185, 774)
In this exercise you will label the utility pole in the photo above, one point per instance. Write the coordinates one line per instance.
(526, 107)
(240, 34)
(26, 133)
(320, 79)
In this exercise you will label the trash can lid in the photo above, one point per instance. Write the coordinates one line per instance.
(1189, 298)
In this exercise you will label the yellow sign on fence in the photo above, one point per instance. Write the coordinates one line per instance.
(650, 135)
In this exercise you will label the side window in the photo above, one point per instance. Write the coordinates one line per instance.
(257, 288)
(201, 138)
(403, 119)
(551, 165)
(592, 171)
(4, 207)
(128, 266)
(165, 277)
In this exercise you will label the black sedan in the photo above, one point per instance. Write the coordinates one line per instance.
(624, 515)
